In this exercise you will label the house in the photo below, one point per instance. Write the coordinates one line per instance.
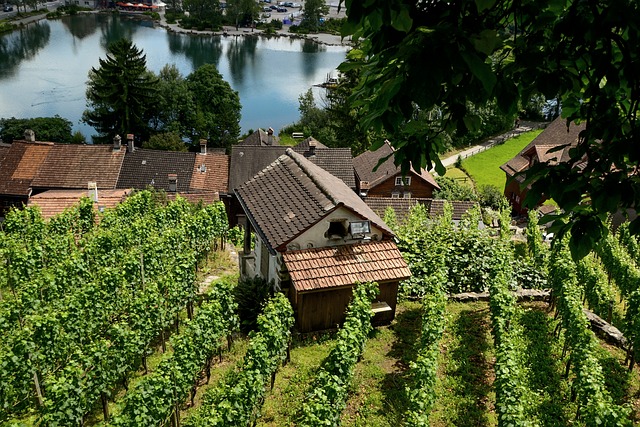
(195, 176)
(387, 180)
(261, 138)
(315, 238)
(246, 161)
(19, 164)
(54, 202)
(551, 146)
(434, 207)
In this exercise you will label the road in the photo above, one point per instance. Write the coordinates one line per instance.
(49, 6)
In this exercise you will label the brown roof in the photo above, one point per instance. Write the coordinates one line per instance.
(344, 265)
(247, 161)
(73, 166)
(366, 162)
(54, 202)
(555, 134)
(401, 207)
(306, 143)
(210, 173)
(260, 138)
(19, 165)
(292, 194)
(144, 168)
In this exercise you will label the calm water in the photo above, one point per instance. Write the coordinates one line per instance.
(43, 67)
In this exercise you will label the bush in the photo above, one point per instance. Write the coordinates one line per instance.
(251, 294)
(450, 189)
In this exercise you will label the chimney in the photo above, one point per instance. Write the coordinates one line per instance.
(117, 143)
(312, 147)
(130, 146)
(270, 136)
(203, 146)
(364, 188)
(29, 135)
(93, 190)
(173, 182)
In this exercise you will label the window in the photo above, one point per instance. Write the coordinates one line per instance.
(337, 229)
(401, 181)
(359, 228)
(395, 195)
(406, 195)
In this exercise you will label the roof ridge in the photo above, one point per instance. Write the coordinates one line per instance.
(312, 175)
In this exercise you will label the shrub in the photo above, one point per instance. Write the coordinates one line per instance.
(251, 294)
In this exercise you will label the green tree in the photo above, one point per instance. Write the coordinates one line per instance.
(52, 129)
(313, 11)
(450, 189)
(421, 55)
(169, 141)
(120, 93)
(207, 13)
(174, 103)
(216, 115)
(239, 11)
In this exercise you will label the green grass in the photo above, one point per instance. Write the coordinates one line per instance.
(484, 167)
(459, 175)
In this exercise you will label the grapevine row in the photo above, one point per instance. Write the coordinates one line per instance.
(595, 404)
(328, 395)
(159, 395)
(235, 402)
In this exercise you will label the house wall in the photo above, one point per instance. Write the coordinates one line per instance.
(326, 309)
(514, 195)
(315, 236)
(418, 188)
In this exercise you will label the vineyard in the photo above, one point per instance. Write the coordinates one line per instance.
(103, 322)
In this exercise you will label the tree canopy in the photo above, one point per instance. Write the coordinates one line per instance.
(52, 129)
(120, 93)
(417, 57)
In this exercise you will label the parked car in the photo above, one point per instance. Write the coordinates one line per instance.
(7, 8)
(281, 9)
(266, 9)
(266, 15)
(288, 4)
(273, 7)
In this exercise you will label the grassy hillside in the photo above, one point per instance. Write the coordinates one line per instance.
(484, 168)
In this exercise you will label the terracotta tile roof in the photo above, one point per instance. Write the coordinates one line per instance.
(144, 168)
(260, 138)
(366, 162)
(292, 194)
(210, 173)
(54, 202)
(435, 207)
(19, 165)
(247, 161)
(73, 166)
(335, 266)
(554, 135)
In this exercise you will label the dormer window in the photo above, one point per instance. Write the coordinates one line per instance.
(403, 181)
(395, 195)
(406, 195)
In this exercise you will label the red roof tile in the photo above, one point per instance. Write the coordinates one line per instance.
(19, 165)
(335, 266)
(73, 166)
(54, 202)
(210, 173)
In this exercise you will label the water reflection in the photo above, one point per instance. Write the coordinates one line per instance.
(22, 44)
(310, 63)
(115, 28)
(241, 55)
(79, 26)
(199, 50)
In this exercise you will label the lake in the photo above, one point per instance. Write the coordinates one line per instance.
(44, 66)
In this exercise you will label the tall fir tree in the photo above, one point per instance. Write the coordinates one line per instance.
(120, 93)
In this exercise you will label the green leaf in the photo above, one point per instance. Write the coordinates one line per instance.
(401, 21)
(486, 42)
(481, 70)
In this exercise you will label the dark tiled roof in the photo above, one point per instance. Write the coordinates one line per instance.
(555, 134)
(210, 173)
(73, 166)
(366, 162)
(144, 168)
(292, 194)
(54, 202)
(20, 164)
(247, 161)
(260, 138)
(336, 266)
(401, 207)
(305, 144)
